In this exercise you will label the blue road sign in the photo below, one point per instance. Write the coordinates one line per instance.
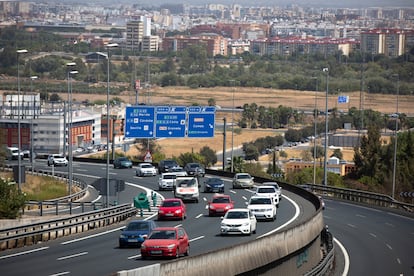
(139, 122)
(343, 99)
(171, 121)
(201, 121)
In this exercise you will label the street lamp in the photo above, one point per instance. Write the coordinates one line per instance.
(108, 47)
(19, 139)
(394, 169)
(32, 160)
(325, 173)
(232, 129)
(70, 150)
(315, 114)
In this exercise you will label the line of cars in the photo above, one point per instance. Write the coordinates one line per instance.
(174, 242)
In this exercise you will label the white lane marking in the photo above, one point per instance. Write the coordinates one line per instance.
(297, 213)
(24, 253)
(233, 192)
(400, 216)
(245, 198)
(198, 238)
(362, 207)
(199, 216)
(346, 257)
(206, 206)
(351, 225)
(399, 262)
(134, 257)
(389, 224)
(205, 199)
(373, 235)
(361, 216)
(389, 246)
(60, 273)
(178, 225)
(327, 217)
(92, 236)
(72, 256)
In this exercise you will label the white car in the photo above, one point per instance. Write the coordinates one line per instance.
(238, 221)
(268, 191)
(262, 207)
(277, 187)
(186, 188)
(145, 169)
(242, 180)
(167, 181)
(57, 160)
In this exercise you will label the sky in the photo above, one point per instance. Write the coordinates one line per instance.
(257, 3)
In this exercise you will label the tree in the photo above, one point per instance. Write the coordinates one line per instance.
(12, 199)
(338, 154)
(251, 152)
(190, 157)
(210, 157)
(367, 158)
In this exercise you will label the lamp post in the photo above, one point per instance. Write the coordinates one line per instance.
(19, 138)
(70, 150)
(108, 47)
(32, 160)
(315, 114)
(325, 173)
(394, 169)
(232, 129)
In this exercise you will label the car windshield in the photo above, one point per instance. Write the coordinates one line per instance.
(194, 166)
(170, 163)
(137, 226)
(213, 181)
(236, 215)
(243, 176)
(170, 176)
(58, 156)
(171, 203)
(260, 201)
(123, 159)
(146, 166)
(187, 183)
(163, 235)
(266, 190)
(221, 200)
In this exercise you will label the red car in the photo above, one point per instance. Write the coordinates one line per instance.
(166, 242)
(220, 204)
(172, 208)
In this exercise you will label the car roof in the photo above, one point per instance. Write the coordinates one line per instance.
(220, 195)
(165, 228)
(172, 199)
(266, 187)
(239, 210)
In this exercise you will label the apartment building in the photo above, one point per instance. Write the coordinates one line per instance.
(138, 35)
(389, 42)
(334, 165)
(215, 44)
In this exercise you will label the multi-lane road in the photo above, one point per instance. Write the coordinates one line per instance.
(377, 242)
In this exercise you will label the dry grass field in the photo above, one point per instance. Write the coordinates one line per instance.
(236, 96)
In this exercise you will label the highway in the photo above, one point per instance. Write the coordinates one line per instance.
(377, 242)
(97, 252)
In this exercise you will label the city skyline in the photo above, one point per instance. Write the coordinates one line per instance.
(257, 3)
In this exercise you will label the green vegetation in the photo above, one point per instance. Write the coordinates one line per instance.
(12, 199)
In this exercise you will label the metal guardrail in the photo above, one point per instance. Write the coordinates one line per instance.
(358, 196)
(52, 229)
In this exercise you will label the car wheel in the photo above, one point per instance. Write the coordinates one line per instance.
(143, 257)
(177, 253)
(187, 252)
(254, 231)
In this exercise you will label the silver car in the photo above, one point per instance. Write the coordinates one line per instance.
(243, 180)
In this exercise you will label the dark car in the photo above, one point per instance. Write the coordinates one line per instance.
(214, 185)
(166, 165)
(122, 162)
(136, 232)
(194, 169)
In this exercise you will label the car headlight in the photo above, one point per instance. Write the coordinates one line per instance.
(221, 185)
(122, 236)
(211, 207)
(171, 246)
(223, 224)
(246, 224)
(160, 212)
(268, 210)
(178, 211)
(227, 207)
(143, 246)
(208, 185)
